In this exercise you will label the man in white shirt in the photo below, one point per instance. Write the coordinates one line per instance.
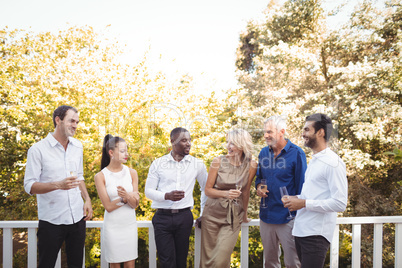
(54, 172)
(324, 193)
(170, 186)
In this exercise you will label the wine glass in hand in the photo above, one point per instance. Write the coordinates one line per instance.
(238, 188)
(119, 189)
(180, 189)
(264, 189)
(73, 171)
(285, 196)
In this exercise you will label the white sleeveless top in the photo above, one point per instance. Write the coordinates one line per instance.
(119, 226)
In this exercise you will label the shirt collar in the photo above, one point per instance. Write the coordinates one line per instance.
(186, 158)
(286, 148)
(320, 153)
(53, 142)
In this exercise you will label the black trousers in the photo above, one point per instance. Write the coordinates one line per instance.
(172, 233)
(312, 250)
(51, 237)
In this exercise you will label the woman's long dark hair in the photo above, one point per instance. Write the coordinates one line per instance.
(109, 143)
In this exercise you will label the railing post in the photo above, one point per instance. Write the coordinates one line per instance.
(398, 245)
(356, 245)
(197, 246)
(152, 247)
(83, 254)
(334, 256)
(244, 246)
(377, 246)
(8, 247)
(104, 263)
(32, 247)
(58, 261)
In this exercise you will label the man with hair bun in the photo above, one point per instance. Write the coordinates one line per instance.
(280, 164)
(324, 194)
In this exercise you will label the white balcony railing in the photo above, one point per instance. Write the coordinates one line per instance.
(356, 223)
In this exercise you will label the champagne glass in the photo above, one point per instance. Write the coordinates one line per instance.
(238, 188)
(73, 171)
(285, 196)
(118, 184)
(180, 186)
(264, 189)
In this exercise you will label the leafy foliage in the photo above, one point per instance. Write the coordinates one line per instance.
(39, 72)
(299, 66)
(289, 63)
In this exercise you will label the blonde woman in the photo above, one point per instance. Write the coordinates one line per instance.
(228, 190)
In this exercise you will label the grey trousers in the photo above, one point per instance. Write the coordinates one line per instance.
(274, 234)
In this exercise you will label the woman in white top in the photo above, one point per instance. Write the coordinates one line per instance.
(117, 187)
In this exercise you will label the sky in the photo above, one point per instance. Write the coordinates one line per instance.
(198, 38)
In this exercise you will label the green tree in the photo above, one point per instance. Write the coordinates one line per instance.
(292, 63)
(40, 71)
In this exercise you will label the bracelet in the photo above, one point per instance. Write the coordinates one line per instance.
(122, 200)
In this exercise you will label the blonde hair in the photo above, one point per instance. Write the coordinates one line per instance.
(242, 140)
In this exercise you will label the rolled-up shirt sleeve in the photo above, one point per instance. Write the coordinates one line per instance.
(300, 171)
(32, 169)
(80, 172)
(151, 185)
(338, 188)
(258, 177)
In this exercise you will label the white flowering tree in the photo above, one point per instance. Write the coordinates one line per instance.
(291, 63)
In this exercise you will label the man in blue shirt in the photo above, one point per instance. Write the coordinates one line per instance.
(281, 163)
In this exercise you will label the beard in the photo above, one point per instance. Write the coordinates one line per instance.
(311, 142)
(271, 142)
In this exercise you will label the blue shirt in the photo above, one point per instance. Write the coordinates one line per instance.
(287, 169)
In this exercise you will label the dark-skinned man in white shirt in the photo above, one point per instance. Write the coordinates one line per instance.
(170, 186)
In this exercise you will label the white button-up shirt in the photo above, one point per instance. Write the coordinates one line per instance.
(48, 161)
(326, 192)
(167, 174)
